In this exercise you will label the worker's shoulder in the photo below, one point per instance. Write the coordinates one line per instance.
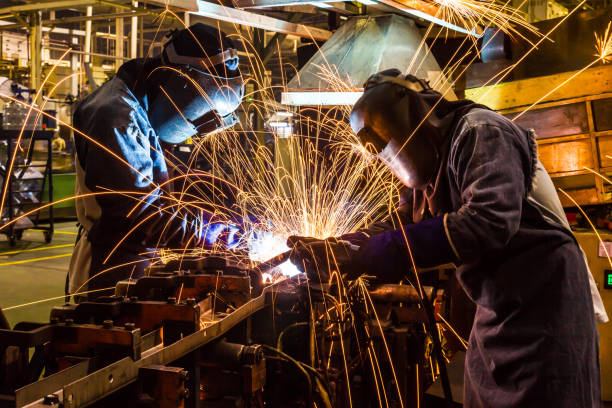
(111, 103)
(481, 118)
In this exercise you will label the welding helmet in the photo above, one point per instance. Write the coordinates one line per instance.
(393, 118)
(199, 85)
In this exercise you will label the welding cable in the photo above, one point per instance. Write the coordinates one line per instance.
(435, 335)
(279, 342)
(290, 359)
(319, 379)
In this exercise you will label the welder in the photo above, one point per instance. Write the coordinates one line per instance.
(121, 132)
(477, 196)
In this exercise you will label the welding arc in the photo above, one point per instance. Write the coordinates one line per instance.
(273, 262)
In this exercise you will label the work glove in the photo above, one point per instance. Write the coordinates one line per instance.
(319, 258)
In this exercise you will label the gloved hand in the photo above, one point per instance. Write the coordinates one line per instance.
(318, 258)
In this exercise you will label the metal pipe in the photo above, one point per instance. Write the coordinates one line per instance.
(35, 50)
(88, 34)
(133, 35)
(398, 293)
(94, 54)
(233, 355)
(119, 42)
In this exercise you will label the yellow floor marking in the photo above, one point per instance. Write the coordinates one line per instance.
(36, 249)
(57, 232)
(35, 259)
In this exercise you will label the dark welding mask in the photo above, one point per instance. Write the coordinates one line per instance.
(391, 118)
(198, 96)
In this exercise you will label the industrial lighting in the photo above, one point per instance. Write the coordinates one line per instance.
(295, 3)
(326, 98)
(441, 22)
(283, 130)
(279, 124)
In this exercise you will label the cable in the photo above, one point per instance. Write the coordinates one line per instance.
(304, 369)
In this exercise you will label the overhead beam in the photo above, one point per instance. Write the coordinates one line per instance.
(429, 12)
(245, 4)
(241, 17)
(272, 46)
(37, 6)
(416, 8)
(397, 4)
(80, 19)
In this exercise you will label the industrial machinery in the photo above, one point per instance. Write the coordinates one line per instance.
(202, 332)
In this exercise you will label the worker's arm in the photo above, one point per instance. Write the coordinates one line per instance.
(489, 171)
(490, 165)
(401, 216)
(131, 163)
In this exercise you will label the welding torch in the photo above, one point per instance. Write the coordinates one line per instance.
(273, 262)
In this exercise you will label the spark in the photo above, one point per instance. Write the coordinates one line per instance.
(319, 182)
(471, 13)
(52, 298)
(603, 45)
(505, 72)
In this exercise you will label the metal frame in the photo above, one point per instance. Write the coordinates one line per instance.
(97, 385)
(9, 136)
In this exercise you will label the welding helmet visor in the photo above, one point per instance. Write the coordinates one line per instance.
(391, 119)
(198, 95)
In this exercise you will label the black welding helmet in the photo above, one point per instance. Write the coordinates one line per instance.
(393, 116)
(200, 86)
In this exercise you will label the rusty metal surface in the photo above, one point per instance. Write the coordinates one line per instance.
(183, 285)
(80, 339)
(166, 385)
(556, 121)
(605, 151)
(566, 156)
(124, 372)
(602, 114)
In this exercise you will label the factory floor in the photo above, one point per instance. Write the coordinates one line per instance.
(34, 271)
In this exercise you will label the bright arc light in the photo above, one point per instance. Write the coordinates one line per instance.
(266, 245)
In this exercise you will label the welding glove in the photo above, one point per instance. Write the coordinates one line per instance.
(319, 258)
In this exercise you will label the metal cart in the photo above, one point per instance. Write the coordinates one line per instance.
(28, 178)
